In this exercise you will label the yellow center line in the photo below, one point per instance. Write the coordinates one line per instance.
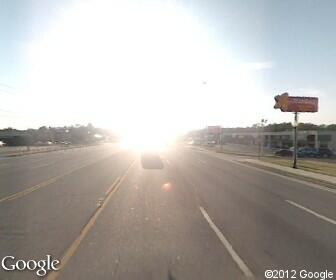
(45, 183)
(74, 246)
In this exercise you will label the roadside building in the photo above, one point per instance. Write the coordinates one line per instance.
(212, 134)
(283, 139)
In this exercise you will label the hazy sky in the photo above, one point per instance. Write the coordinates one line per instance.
(170, 65)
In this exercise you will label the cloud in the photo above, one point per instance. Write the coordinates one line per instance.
(260, 65)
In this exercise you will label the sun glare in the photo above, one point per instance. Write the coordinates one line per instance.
(145, 142)
(133, 69)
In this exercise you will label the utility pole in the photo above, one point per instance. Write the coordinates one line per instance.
(259, 141)
(261, 137)
(220, 139)
(295, 140)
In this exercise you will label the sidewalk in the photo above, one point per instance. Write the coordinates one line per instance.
(299, 172)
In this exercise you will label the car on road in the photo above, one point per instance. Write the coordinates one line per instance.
(284, 153)
(307, 152)
(151, 160)
(325, 153)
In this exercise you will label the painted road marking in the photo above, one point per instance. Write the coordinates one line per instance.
(247, 272)
(312, 212)
(168, 162)
(112, 186)
(74, 246)
(45, 183)
(309, 184)
(202, 161)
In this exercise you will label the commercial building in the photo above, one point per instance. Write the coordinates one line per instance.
(282, 139)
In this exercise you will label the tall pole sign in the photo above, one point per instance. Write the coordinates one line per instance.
(296, 104)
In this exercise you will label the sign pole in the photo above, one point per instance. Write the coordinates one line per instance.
(295, 104)
(295, 140)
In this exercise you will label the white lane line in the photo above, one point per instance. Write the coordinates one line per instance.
(202, 161)
(47, 182)
(168, 162)
(312, 212)
(248, 273)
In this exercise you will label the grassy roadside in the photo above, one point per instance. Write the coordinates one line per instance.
(316, 166)
(321, 167)
(240, 153)
(225, 151)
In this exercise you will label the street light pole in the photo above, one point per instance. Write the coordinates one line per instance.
(295, 140)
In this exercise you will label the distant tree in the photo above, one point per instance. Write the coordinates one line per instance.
(331, 127)
(307, 126)
(276, 127)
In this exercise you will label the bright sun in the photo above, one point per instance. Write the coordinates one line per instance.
(136, 68)
(147, 143)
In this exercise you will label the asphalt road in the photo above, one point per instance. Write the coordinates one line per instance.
(107, 214)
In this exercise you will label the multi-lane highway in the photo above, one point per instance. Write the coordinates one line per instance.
(196, 216)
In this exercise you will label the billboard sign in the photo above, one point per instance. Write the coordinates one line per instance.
(287, 103)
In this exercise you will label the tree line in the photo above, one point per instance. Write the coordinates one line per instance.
(66, 135)
(274, 127)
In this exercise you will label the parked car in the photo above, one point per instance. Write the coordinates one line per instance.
(307, 152)
(43, 143)
(211, 143)
(325, 152)
(284, 153)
